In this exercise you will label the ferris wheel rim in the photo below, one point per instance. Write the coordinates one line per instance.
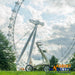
(12, 21)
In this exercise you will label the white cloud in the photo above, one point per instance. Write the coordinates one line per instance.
(71, 3)
(39, 2)
(64, 10)
(47, 32)
(4, 2)
(35, 13)
(5, 12)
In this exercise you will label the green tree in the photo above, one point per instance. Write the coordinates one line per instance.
(72, 61)
(7, 56)
(53, 61)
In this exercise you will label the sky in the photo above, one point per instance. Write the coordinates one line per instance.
(57, 33)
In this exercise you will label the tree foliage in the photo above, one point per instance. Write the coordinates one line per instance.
(7, 57)
(53, 61)
(72, 61)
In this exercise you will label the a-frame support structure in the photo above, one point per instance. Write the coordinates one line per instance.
(32, 35)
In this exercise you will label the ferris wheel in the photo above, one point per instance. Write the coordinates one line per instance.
(11, 27)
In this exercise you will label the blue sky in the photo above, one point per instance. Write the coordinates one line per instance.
(57, 15)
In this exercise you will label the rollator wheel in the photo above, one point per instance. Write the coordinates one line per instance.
(29, 68)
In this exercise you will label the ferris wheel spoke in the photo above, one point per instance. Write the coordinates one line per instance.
(22, 37)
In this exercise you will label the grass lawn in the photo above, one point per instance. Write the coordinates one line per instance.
(33, 73)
